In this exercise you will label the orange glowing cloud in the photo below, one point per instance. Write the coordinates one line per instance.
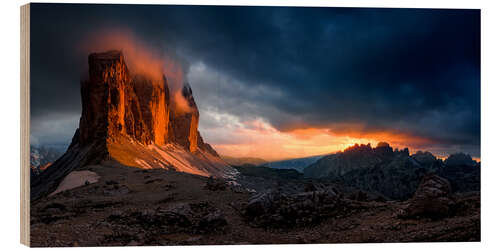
(258, 138)
(360, 131)
(394, 137)
(180, 103)
(141, 59)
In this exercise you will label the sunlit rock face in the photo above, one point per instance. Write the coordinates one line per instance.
(116, 103)
(123, 110)
(184, 122)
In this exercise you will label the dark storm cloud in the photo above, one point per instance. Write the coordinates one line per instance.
(414, 71)
(379, 67)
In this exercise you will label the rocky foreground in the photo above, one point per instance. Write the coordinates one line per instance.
(130, 206)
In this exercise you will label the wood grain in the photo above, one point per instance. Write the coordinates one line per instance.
(25, 123)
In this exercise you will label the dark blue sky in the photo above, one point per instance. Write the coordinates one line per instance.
(408, 71)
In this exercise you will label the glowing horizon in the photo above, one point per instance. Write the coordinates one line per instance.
(259, 139)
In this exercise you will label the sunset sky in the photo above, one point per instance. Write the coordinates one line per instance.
(279, 83)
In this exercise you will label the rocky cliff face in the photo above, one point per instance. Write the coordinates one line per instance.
(117, 103)
(183, 127)
(133, 119)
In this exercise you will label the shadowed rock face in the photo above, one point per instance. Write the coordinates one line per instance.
(130, 118)
(460, 159)
(425, 158)
(353, 158)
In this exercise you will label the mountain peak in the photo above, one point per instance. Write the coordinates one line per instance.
(130, 118)
(109, 55)
(118, 103)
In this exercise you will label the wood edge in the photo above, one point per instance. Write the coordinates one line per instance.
(25, 123)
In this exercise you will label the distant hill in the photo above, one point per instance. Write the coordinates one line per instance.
(241, 161)
(298, 164)
(285, 174)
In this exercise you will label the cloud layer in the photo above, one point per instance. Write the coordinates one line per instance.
(361, 73)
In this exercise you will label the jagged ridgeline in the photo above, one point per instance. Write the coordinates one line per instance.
(132, 119)
(395, 174)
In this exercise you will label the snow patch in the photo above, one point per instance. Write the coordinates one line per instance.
(76, 179)
(177, 157)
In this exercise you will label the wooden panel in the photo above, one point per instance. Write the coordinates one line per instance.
(25, 122)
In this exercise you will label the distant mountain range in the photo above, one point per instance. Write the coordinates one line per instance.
(298, 164)
(41, 157)
(381, 170)
(394, 174)
(241, 161)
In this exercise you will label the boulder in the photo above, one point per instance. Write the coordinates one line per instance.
(431, 200)
(276, 209)
(262, 203)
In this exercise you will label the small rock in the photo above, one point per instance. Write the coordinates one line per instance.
(214, 184)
